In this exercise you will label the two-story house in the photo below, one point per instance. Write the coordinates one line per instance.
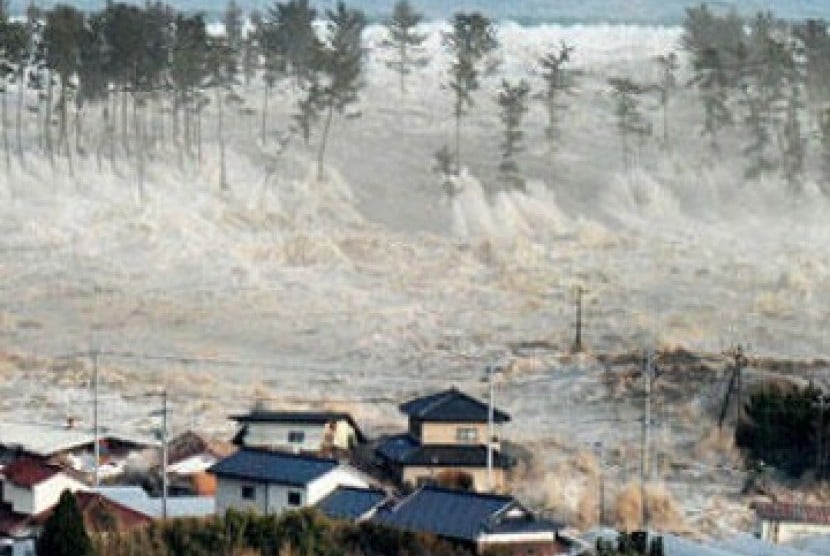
(316, 432)
(447, 443)
(271, 482)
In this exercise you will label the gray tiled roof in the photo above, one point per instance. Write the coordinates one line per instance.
(451, 406)
(351, 503)
(404, 450)
(447, 513)
(273, 467)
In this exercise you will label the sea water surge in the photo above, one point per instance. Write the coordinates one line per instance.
(525, 12)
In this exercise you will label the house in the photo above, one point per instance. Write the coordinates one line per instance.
(317, 432)
(447, 443)
(31, 486)
(780, 522)
(271, 482)
(136, 499)
(478, 521)
(72, 446)
(356, 504)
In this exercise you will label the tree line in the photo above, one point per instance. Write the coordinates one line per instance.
(304, 532)
(152, 72)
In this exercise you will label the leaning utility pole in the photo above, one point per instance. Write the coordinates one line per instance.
(646, 442)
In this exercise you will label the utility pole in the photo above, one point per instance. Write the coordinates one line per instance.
(646, 443)
(164, 454)
(577, 347)
(95, 430)
(600, 454)
(820, 437)
(490, 427)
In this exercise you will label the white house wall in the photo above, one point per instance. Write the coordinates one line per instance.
(47, 493)
(229, 495)
(275, 435)
(779, 532)
(341, 476)
(19, 498)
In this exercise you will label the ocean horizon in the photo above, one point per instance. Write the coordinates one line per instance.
(527, 12)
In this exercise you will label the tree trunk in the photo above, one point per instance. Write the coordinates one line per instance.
(6, 147)
(223, 184)
(125, 143)
(457, 142)
(111, 128)
(265, 110)
(19, 119)
(47, 123)
(103, 133)
(199, 136)
(323, 140)
(63, 137)
(139, 147)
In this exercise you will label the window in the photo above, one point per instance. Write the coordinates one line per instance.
(248, 492)
(465, 434)
(296, 437)
(294, 498)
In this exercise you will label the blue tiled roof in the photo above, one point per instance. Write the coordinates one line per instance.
(447, 513)
(451, 406)
(404, 450)
(350, 503)
(397, 447)
(273, 467)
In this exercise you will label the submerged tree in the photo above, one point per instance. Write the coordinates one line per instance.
(340, 70)
(63, 38)
(715, 45)
(472, 39)
(824, 137)
(405, 40)
(512, 100)
(14, 53)
(630, 119)
(558, 83)
(666, 87)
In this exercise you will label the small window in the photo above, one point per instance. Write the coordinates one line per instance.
(296, 437)
(294, 498)
(248, 492)
(466, 434)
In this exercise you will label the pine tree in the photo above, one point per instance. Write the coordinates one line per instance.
(14, 50)
(715, 45)
(666, 87)
(63, 38)
(512, 100)
(340, 69)
(405, 40)
(472, 39)
(64, 533)
(558, 83)
(630, 120)
(824, 136)
(232, 22)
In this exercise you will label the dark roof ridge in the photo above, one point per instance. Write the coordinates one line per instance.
(491, 495)
(278, 453)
